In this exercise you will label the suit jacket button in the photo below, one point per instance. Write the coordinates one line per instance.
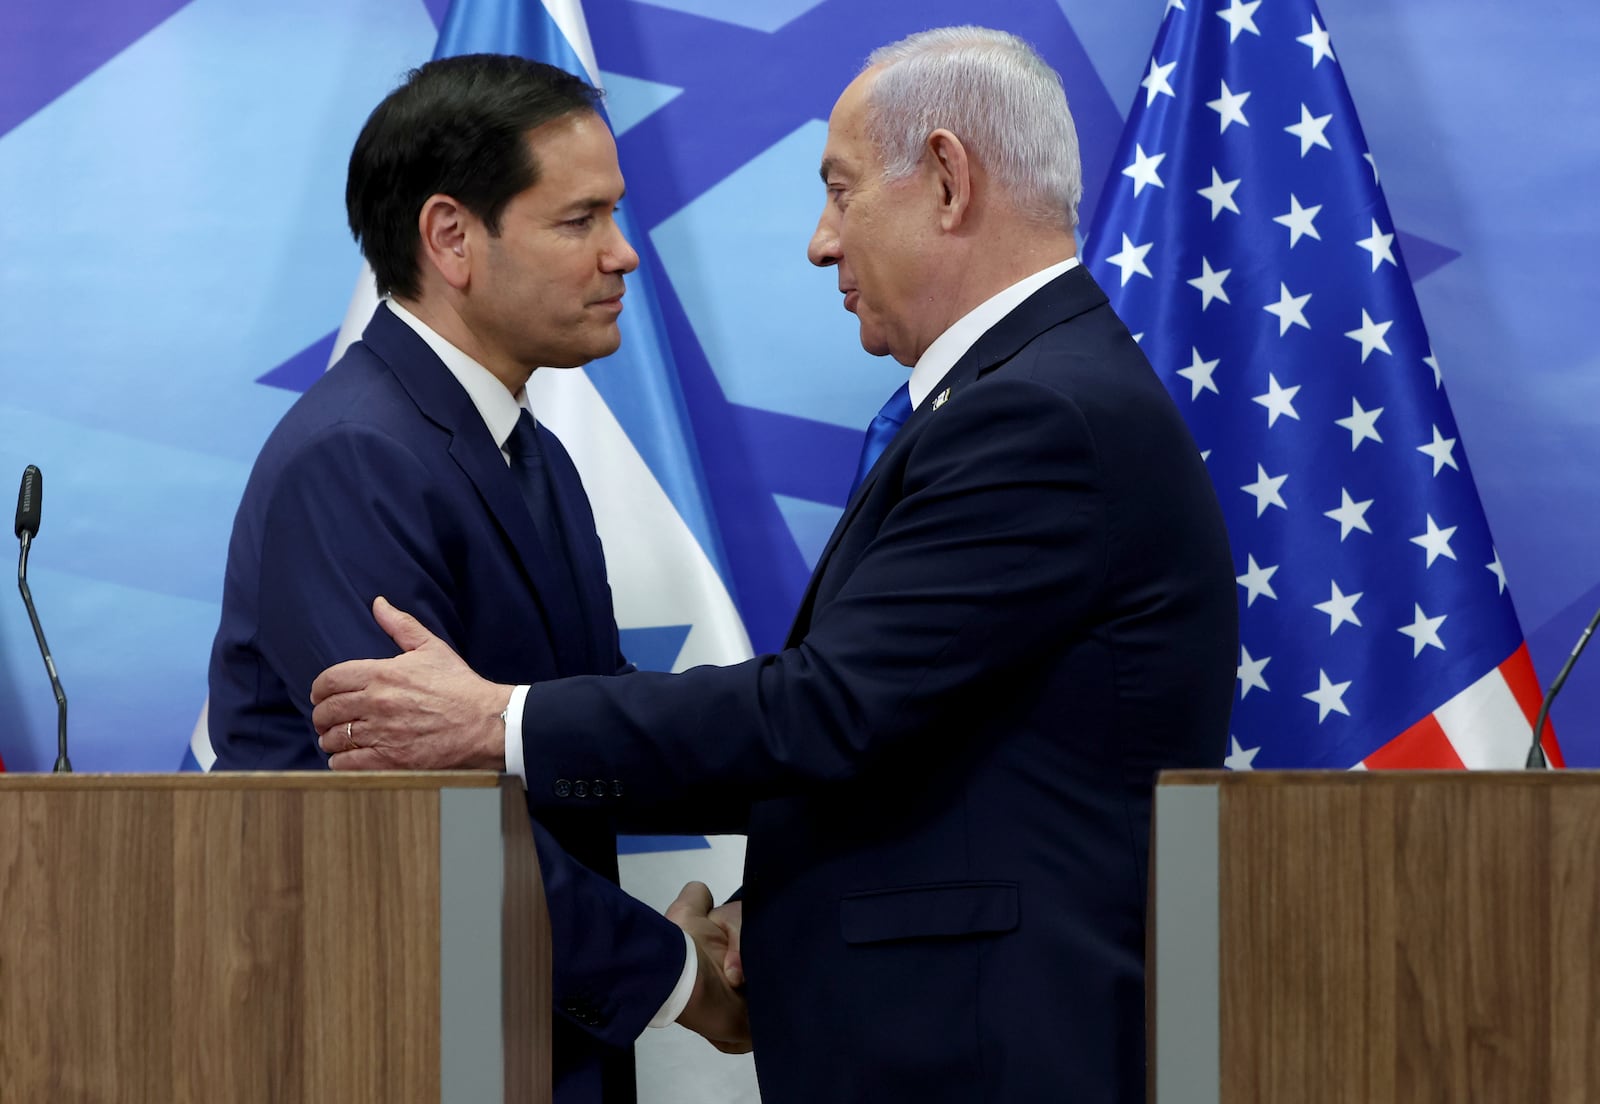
(562, 787)
(584, 1012)
(580, 788)
(616, 787)
(598, 787)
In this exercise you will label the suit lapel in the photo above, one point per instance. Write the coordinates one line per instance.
(1062, 299)
(442, 401)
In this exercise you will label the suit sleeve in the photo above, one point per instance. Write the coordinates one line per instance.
(995, 547)
(356, 514)
(615, 960)
(352, 515)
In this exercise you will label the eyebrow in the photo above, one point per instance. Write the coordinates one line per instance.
(592, 203)
(828, 165)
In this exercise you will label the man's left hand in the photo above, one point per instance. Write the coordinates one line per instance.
(424, 709)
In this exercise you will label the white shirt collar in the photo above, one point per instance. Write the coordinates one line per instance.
(953, 344)
(498, 407)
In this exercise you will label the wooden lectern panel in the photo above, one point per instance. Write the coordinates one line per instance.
(266, 938)
(328, 884)
(1403, 937)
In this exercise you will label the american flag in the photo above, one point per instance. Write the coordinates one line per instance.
(1244, 237)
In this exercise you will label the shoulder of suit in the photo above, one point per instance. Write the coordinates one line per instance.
(1013, 391)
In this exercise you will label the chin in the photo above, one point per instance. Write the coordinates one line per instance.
(874, 336)
(579, 354)
(876, 344)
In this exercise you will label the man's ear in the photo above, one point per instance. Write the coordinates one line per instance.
(951, 170)
(443, 225)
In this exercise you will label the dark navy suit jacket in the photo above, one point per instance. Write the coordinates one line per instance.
(1026, 611)
(383, 479)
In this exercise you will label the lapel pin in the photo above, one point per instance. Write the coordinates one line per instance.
(940, 399)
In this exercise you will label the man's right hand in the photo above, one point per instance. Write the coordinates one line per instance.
(423, 709)
(716, 1010)
(730, 918)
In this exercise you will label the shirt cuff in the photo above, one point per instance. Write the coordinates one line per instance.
(678, 1000)
(514, 764)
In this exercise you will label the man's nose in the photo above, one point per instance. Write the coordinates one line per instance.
(824, 248)
(619, 256)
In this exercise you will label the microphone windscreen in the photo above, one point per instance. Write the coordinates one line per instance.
(29, 502)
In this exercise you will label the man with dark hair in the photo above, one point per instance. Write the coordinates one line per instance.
(483, 193)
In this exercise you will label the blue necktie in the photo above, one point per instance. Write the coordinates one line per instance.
(533, 480)
(881, 432)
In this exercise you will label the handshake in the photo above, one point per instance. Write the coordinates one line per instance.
(716, 1008)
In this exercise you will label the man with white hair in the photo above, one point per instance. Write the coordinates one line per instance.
(1026, 611)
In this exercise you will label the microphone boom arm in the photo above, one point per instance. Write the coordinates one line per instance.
(1536, 759)
(63, 764)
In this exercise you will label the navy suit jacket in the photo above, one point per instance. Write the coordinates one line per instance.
(1026, 611)
(383, 479)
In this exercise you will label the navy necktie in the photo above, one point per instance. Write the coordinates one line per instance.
(533, 480)
(882, 431)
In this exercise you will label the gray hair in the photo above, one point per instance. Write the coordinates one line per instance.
(997, 95)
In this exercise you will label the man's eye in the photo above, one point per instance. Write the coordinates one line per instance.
(580, 223)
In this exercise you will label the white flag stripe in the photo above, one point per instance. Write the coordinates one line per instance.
(568, 15)
(363, 301)
(1486, 726)
(200, 739)
(659, 573)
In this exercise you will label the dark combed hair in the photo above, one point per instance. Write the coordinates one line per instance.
(455, 127)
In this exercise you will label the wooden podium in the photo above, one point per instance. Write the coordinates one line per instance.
(271, 937)
(1376, 937)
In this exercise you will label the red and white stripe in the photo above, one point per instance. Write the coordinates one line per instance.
(1485, 727)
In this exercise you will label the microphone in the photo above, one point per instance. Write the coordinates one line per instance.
(1536, 760)
(30, 501)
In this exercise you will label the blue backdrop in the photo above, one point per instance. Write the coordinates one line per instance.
(173, 256)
